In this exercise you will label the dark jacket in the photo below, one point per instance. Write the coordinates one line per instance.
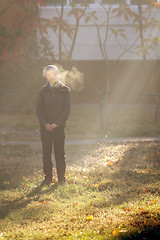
(53, 105)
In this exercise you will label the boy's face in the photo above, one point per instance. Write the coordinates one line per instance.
(52, 77)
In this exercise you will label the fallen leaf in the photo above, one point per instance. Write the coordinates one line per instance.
(53, 180)
(127, 209)
(144, 213)
(115, 232)
(89, 218)
(110, 163)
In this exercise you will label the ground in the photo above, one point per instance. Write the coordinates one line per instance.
(112, 192)
(84, 122)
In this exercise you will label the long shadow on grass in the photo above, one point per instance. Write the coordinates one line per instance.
(148, 233)
(9, 206)
(138, 168)
(36, 192)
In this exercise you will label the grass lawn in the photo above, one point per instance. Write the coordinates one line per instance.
(112, 192)
(83, 123)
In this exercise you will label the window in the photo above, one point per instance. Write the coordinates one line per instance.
(113, 2)
(80, 1)
(142, 2)
(59, 2)
(55, 2)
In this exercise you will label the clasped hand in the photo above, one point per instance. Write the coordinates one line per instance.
(50, 127)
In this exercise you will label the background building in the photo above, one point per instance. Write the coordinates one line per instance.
(128, 55)
(87, 43)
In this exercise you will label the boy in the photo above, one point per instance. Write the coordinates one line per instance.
(53, 108)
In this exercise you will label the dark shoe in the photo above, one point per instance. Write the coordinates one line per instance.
(62, 181)
(47, 181)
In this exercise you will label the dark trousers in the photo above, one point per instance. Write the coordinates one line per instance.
(54, 139)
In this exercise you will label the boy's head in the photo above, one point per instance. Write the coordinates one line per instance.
(51, 74)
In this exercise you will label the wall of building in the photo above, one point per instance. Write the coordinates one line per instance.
(131, 81)
(87, 44)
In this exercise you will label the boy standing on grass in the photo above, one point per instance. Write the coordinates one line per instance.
(53, 108)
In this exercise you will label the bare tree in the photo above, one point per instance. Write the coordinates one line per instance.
(61, 26)
(104, 32)
(141, 23)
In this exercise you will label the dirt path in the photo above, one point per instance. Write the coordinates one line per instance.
(87, 141)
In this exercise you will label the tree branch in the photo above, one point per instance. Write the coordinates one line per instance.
(8, 7)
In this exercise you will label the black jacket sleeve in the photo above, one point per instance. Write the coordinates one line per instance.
(66, 110)
(40, 109)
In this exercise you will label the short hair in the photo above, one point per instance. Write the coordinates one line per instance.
(50, 68)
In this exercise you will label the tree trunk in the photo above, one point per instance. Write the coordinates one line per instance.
(157, 109)
(60, 31)
(157, 90)
(141, 29)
